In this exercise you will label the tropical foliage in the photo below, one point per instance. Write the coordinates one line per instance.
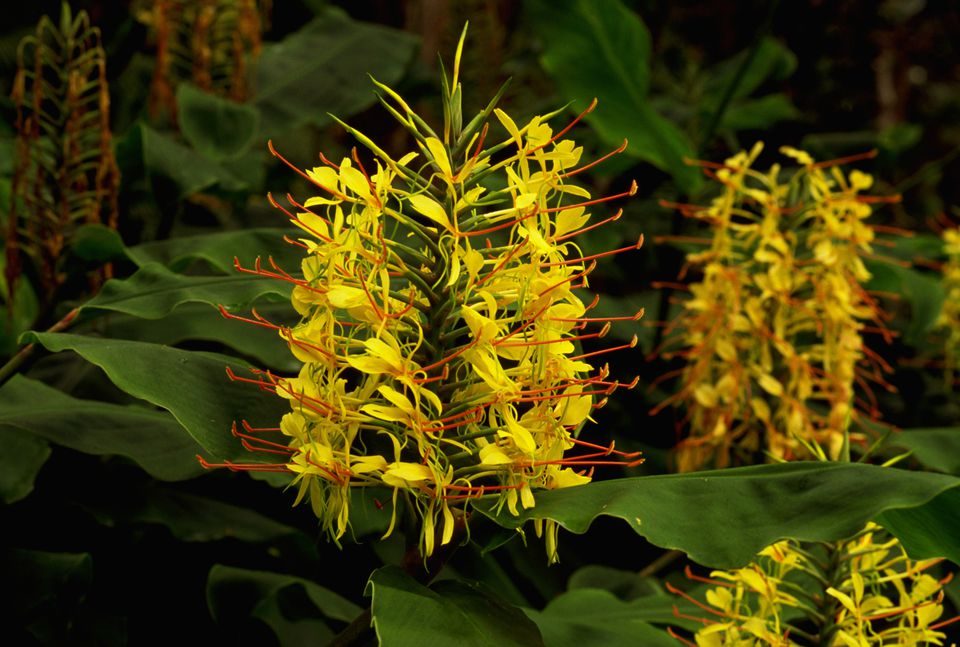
(310, 336)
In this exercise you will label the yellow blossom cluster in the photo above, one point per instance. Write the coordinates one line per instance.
(773, 331)
(441, 331)
(860, 592)
(949, 320)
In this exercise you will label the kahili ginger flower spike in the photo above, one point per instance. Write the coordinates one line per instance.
(65, 174)
(772, 333)
(210, 43)
(949, 320)
(859, 592)
(441, 331)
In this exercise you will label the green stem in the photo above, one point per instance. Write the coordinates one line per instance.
(14, 363)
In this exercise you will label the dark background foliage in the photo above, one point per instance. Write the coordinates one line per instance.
(102, 549)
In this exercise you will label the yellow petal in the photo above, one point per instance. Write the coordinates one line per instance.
(509, 125)
(492, 455)
(354, 180)
(769, 384)
(402, 474)
(325, 177)
(439, 152)
(431, 209)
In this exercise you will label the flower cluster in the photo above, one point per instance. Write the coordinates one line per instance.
(773, 331)
(949, 320)
(441, 331)
(65, 173)
(861, 592)
(210, 43)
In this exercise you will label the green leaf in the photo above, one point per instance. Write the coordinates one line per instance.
(626, 585)
(294, 608)
(759, 114)
(21, 458)
(601, 608)
(171, 162)
(152, 439)
(448, 613)
(599, 48)
(323, 68)
(189, 517)
(923, 292)
(931, 530)
(918, 246)
(218, 250)
(936, 449)
(593, 617)
(190, 385)
(214, 125)
(197, 321)
(723, 518)
(772, 60)
(154, 291)
(47, 582)
(98, 243)
(24, 314)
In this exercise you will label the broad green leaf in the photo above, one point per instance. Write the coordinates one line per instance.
(936, 449)
(626, 585)
(24, 311)
(561, 630)
(51, 582)
(214, 125)
(218, 250)
(192, 386)
(21, 458)
(296, 609)
(323, 68)
(760, 113)
(152, 439)
(154, 291)
(916, 247)
(95, 242)
(601, 49)
(190, 517)
(164, 159)
(772, 60)
(723, 518)
(923, 292)
(600, 609)
(198, 321)
(448, 613)
(931, 530)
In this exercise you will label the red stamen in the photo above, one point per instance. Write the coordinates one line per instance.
(634, 317)
(541, 342)
(595, 162)
(243, 467)
(569, 261)
(273, 151)
(589, 109)
(870, 154)
(589, 203)
(510, 223)
(582, 230)
(632, 344)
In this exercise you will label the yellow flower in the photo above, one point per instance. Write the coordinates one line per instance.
(949, 319)
(440, 326)
(773, 329)
(860, 592)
